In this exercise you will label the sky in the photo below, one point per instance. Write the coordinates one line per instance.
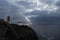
(31, 11)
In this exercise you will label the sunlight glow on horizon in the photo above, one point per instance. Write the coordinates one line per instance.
(27, 18)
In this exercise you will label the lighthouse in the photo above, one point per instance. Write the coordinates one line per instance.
(8, 19)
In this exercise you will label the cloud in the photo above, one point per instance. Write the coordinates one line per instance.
(58, 3)
(23, 3)
(7, 9)
(44, 5)
(43, 17)
(41, 5)
(41, 8)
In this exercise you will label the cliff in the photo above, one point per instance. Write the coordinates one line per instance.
(16, 32)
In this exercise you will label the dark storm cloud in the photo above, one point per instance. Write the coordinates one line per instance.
(58, 3)
(44, 17)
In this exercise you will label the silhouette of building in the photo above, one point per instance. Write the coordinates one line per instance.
(8, 19)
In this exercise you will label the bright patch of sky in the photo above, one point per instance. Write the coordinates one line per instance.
(48, 5)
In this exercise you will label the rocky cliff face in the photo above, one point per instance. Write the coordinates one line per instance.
(16, 32)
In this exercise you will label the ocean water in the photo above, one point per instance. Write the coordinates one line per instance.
(47, 32)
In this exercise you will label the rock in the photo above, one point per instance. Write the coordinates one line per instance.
(16, 32)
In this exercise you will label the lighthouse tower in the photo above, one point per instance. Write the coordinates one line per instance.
(8, 19)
